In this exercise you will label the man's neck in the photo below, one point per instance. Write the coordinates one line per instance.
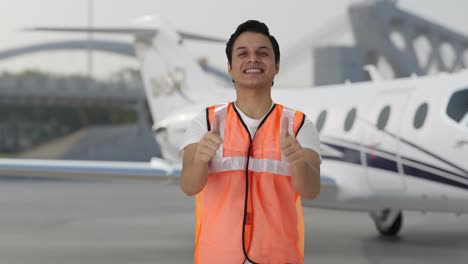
(254, 104)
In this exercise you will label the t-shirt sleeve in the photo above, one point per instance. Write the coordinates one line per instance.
(195, 131)
(308, 136)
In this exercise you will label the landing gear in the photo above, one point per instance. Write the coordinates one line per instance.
(387, 221)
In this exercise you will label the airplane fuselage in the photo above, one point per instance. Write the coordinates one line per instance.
(389, 144)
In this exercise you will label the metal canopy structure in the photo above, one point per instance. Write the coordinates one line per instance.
(387, 36)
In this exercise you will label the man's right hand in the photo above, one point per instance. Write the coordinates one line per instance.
(209, 143)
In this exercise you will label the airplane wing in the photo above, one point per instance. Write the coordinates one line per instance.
(156, 169)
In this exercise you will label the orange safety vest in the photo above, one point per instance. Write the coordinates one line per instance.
(248, 209)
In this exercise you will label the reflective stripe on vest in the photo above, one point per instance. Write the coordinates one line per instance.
(248, 209)
(257, 165)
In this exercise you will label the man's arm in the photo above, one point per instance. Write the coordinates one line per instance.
(196, 159)
(306, 175)
(194, 174)
(305, 165)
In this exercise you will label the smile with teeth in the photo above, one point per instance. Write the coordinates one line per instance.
(253, 71)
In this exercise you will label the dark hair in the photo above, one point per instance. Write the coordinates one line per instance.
(252, 26)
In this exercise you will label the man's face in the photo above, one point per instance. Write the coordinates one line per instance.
(253, 61)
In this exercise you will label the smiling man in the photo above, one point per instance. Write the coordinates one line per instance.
(249, 162)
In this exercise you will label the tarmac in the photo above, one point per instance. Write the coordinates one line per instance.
(121, 222)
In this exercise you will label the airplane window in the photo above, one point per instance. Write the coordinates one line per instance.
(349, 121)
(321, 120)
(457, 107)
(420, 116)
(383, 117)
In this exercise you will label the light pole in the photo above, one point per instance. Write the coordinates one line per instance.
(90, 38)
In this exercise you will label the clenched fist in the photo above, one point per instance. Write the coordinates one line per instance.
(209, 143)
(290, 147)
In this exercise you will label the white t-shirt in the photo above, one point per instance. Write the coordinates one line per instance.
(307, 135)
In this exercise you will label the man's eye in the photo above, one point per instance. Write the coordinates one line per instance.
(243, 54)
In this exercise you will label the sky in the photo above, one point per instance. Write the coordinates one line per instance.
(294, 23)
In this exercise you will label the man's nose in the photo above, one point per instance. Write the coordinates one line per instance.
(253, 58)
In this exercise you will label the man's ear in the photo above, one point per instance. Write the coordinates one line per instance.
(229, 67)
(277, 67)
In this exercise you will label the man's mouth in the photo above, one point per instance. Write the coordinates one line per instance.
(253, 71)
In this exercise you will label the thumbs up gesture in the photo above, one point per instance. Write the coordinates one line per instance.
(209, 143)
(290, 147)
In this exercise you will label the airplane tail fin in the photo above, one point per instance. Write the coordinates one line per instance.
(172, 77)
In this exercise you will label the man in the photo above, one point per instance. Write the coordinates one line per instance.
(249, 162)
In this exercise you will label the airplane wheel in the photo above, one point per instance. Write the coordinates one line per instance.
(388, 222)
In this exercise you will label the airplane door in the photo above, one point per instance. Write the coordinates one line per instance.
(381, 143)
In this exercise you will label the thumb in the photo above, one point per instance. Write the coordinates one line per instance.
(215, 125)
(284, 127)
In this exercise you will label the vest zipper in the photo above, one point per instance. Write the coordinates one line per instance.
(244, 222)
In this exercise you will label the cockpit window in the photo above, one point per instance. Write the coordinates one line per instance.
(457, 108)
(464, 121)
